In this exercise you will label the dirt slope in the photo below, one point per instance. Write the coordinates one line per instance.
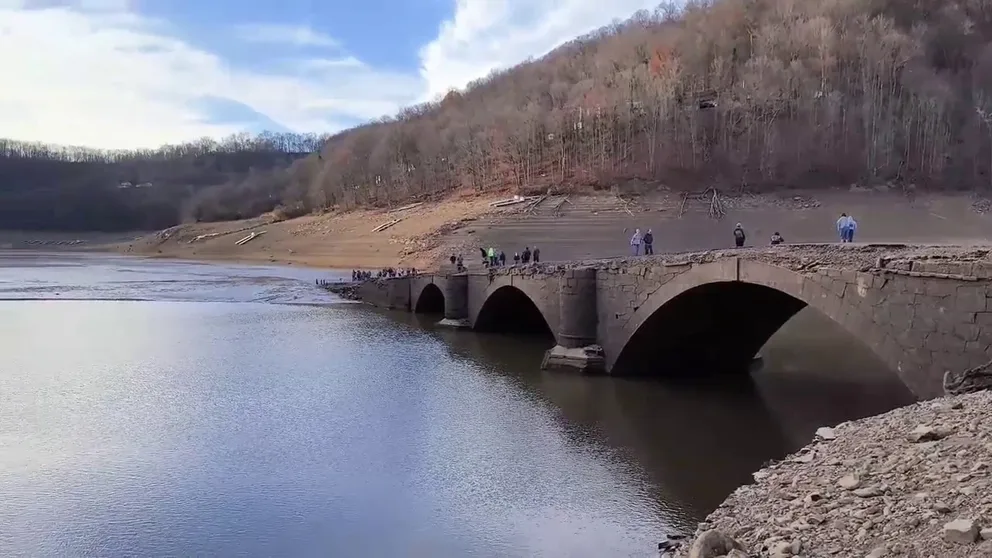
(582, 227)
(332, 240)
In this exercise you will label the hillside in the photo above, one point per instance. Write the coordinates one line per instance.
(745, 95)
(737, 93)
(57, 188)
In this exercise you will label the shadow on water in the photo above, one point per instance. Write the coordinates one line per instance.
(699, 440)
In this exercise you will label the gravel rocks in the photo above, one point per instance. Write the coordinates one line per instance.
(872, 490)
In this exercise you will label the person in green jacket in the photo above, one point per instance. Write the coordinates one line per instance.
(492, 257)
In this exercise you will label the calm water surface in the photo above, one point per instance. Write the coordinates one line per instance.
(153, 408)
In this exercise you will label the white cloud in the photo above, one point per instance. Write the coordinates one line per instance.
(94, 72)
(111, 78)
(298, 35)
(487, 34)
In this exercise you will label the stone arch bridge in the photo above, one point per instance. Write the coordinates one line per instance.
(923, 310)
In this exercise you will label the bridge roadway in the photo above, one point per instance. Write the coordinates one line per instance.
(923, 310)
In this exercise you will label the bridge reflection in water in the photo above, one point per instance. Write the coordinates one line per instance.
(700, 437)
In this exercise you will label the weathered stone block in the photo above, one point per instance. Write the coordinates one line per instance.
(924, 324)
(984, 319)
(967, 331)
(981, 270)
(970, 298)
(939, 287)
(900, 315)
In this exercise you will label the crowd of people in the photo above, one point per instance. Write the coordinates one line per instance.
(497, 258)
(384, 273)
(846, 227)
(492, 257)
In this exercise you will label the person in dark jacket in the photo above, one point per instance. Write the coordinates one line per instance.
(537, 255)
(777, 239)
(525, 256)
(648, 241)
(739, 236)
(502, 258)
(516, 258)
(485, 258)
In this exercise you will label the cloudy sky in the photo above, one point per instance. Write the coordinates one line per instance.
(140, 73)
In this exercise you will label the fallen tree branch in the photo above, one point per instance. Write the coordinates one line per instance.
(385, 226)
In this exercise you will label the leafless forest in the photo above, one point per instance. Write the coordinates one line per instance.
(68, 188)
(754, 93)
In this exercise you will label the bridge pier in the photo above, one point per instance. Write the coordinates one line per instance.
(456, 302)
(577, 324)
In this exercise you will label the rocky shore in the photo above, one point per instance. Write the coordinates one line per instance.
(345, 290)
(913, 482)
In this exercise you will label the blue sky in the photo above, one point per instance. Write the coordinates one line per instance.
(139, 73)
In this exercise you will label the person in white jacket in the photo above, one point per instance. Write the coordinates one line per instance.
(846, 226)
(635, 242)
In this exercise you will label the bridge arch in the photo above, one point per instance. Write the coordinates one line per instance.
(720, 314)
(509, 309)
(430, 300)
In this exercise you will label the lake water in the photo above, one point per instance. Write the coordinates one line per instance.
(153, 408)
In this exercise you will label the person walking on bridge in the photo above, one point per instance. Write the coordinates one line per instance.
(846, 226)
(852, 226)
(635, 242)
(739, 236)
(648, 243)
(492, 257)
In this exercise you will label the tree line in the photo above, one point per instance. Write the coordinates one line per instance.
(729, 93)
(46, 186)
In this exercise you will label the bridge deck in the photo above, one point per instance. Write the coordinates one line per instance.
(855, 256)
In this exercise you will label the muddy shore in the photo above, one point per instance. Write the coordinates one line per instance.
(565, 228)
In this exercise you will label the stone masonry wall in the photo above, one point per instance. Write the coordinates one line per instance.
(922, 318)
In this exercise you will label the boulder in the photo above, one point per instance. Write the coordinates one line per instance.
(961, 531)
(849, 481)
(826, 433)
(925, 433)
(712, 544)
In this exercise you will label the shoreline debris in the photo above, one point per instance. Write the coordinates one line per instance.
(511, 201)
(386, 225)
(249, 238)
(405, 208)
